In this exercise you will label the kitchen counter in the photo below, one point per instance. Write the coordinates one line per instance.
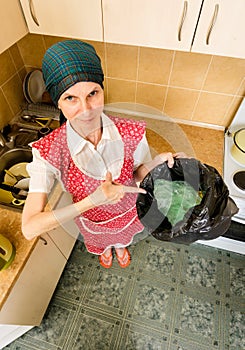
(11, 228)
(202, 143)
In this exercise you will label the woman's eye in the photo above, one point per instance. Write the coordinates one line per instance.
(93, 93)
(69, 98)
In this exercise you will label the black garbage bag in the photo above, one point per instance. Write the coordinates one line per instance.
(208, 214)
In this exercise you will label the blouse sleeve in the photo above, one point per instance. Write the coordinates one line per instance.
(42, 174)
(142, 153)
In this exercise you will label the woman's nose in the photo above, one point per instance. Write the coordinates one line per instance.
(84, 105)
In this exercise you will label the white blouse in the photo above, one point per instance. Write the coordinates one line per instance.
(108, 156)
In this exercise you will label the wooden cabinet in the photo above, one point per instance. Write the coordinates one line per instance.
(206, 26)
(13, 26)
(221, 28)
(167, 24)
(29, 298)
(68, 18)
(33, 290)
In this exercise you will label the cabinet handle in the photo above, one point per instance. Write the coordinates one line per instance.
(32, 10)
(44, 240)
(182, 19)
(216, 10)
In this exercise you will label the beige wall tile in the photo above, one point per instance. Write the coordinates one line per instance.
(180, 103)
(189, 69)
(154, 65)
(121, 61)
(241, 90)
(120, 91)
(16, 56)
(151, 95)
(225, 75)
(212, 108)
(32, 50)
(50, 40)
(231, 111)
(7, 67)
(5, 112)
(100, 50)
(13, 92)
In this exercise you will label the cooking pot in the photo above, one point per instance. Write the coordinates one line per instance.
(238, 147)
(7, 252)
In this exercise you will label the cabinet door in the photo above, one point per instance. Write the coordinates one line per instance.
(13, 25)
(33, 290)
(68, 18)
(221, 28)
(168, 24)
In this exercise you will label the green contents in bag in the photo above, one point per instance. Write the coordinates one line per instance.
(175, 198)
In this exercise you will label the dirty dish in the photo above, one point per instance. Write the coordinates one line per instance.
(18, 169)
(5, 196)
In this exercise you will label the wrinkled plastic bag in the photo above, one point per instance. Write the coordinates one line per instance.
(208, 218)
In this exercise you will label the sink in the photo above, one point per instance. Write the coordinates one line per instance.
(7, 160)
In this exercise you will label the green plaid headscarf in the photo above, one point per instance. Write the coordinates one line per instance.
(67, 63)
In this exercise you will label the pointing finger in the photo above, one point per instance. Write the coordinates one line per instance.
(130, 189)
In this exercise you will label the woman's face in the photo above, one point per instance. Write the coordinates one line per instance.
(83, 102)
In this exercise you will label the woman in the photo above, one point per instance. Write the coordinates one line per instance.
(98, 159)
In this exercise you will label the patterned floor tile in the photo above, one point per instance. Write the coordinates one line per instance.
(109, 290)
(55, 327)
(136, 337)
(95, 331)
(151, 304)
(197, 318)
(234, 327)
(185, 344)
(160, 261)
(203, 269)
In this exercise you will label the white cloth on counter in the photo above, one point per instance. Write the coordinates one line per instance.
(108, 156)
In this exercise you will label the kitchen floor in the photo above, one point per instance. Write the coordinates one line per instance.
(171, 297)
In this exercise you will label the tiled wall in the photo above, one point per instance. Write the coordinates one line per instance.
(187, 86)
(12, 74)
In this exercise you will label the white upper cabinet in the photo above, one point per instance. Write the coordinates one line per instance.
(221, 28)
(206, 26)
(68, 18)
(168, 24)
(13, 26)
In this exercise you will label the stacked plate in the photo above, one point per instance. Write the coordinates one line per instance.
(34, 86)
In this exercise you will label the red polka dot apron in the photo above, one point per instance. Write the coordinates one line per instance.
(106, 225)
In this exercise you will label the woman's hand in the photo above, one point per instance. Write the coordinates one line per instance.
(164, 157)
(180, 155)
(111, 192)
(168, 157)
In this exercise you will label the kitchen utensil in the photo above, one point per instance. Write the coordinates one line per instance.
(17, 171)
(34, 119)
(238, 147)
(16, 192)
(43, 132)
(15, 177)
(7, 252)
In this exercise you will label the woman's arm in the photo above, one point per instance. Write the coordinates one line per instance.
(168, 157)
(144, 169)
(36, 221)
